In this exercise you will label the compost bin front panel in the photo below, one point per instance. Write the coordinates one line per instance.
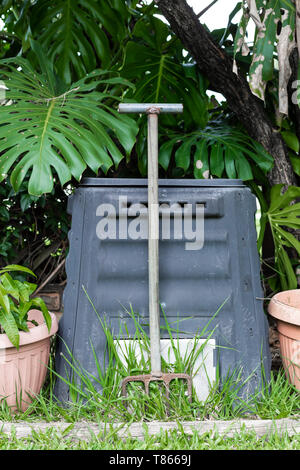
(214, 286)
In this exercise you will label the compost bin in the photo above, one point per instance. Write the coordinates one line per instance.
(221, 268)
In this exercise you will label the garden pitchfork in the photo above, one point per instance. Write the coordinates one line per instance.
(153, 110)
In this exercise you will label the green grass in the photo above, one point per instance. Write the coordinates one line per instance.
(279, 400)
(275, 400)
(99, 397)
(173, 440)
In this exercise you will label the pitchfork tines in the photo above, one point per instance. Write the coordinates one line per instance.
(166, 378)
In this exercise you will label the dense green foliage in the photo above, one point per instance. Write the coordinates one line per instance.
(33, 229)
(50, 126)
(15, 303)
(67, 64)
(65, 90)
(275, 22)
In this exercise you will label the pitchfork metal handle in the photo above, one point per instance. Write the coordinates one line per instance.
(144, 107)
(153, 110)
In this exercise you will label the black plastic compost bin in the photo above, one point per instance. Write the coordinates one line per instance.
(194, 283)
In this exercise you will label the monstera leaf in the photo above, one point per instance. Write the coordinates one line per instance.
(154, 58)
(52, 130)
(275, 22)
(217, 150)
(282, 212)
(78, 35)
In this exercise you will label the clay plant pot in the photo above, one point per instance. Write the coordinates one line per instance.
(285, 308)
(23, 371)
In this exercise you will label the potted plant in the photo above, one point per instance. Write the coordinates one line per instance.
(285, 308)
(26, 326)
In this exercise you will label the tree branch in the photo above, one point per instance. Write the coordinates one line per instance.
(206, 8)
(56, 270)
(217, 66)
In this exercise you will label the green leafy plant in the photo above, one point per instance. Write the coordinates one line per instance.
(34, 230)
(94, 28)
(15, 303)
(64, 28)
(50, 126)
(154, 59)
(282, 214)
(270, 42)
(61, 121)
(218, 150)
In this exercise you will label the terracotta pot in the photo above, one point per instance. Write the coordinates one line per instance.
(285, 307)
(23, 371)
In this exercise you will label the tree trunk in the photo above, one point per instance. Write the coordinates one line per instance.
(294, 110)
(217, 66)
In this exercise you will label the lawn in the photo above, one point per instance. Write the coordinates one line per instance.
(97, 399)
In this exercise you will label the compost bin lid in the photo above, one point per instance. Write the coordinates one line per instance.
(215, 183)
